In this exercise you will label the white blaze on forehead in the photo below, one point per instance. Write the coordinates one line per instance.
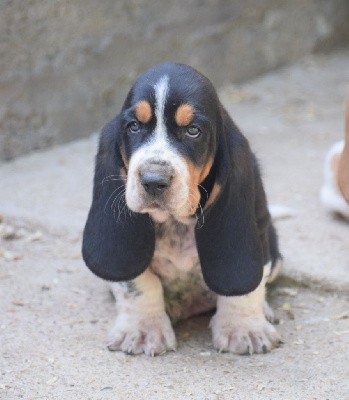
(161, 90)
(158, 148)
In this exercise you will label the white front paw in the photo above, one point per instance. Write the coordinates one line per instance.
(150, 335)
(243, 335)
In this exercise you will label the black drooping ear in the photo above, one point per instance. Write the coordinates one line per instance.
(115, 249)
(232, 243)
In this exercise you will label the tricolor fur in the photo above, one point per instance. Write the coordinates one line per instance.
(179, 219)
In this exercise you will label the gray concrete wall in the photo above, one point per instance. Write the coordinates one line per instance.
(66, 65)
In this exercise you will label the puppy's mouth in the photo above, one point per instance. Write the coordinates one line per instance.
(154, 206)
(163, 205)
(161, 211)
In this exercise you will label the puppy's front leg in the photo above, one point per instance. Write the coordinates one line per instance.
(142, 325)
(240, 325)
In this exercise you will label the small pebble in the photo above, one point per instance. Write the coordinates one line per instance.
(9, 256)
(344, 315)
(52, 380)
(286, 291)
(34, 237)
(7, 232)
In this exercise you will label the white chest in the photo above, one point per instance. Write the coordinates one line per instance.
(176, 262)
(175, 250)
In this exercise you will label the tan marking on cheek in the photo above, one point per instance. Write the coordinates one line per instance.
(184, 115)
(206, 169)
(143, 111)
(193, 181)
(213, 195)
(196, 176)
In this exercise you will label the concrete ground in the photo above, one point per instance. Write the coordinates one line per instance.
(55, 314)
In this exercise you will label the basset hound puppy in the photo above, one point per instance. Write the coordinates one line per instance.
(179, 219)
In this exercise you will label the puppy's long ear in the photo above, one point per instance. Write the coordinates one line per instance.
(115, 248)
(230, 243)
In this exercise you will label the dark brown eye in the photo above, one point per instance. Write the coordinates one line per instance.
(134, 127)
(193, 131)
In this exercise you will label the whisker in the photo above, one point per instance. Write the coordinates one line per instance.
(204, 190)
(118, 196)
(115, 190)
(202, 217)
(118, 199)
(124, 210)
(117, 205)
(113, 178)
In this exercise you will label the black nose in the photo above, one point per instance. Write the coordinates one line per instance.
(155, 182)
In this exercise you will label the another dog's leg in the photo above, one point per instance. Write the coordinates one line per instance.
(343, 167)
(142, 324)
(240, 325)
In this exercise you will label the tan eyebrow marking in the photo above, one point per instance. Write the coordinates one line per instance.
(184, 115)
(143, 111)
